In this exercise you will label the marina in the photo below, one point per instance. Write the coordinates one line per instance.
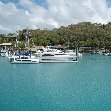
(49, 54)
(55, 55)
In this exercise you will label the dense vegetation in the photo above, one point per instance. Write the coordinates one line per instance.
(82, 34)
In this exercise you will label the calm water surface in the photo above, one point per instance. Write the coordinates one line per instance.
(82, 86)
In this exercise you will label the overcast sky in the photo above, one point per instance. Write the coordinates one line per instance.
(20, 14)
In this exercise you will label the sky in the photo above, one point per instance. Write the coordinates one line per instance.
(21, 14)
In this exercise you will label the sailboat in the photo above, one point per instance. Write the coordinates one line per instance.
(22, 58)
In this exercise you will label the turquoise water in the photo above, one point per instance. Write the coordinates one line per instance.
(82, 86)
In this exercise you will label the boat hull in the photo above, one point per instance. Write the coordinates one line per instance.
(58, 58)
(50, 61)
(25, 61)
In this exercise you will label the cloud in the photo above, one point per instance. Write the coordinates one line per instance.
(10, 16)
(57, 13)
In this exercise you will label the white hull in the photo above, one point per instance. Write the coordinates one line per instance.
(24, 61)
(52, 61)
(58, 58)
(18, 62)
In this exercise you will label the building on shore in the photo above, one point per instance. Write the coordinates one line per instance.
(5, 49)
(5, 46)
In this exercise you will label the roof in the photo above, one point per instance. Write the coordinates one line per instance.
(39, 47)
(33, 49)
(5, 44)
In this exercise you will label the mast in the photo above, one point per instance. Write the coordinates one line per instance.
(27, 39)
(17, 37)
(17, 40)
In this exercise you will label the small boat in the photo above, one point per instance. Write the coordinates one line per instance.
(107, 54)
(4, 53)
(24, 60)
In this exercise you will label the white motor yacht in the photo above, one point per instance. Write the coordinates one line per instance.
(54, 55)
